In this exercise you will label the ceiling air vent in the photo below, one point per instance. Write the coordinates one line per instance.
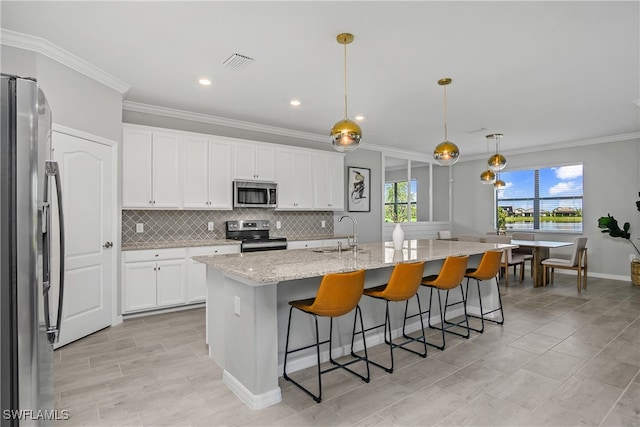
(237, 62)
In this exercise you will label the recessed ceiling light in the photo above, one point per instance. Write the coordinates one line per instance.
(204, 82)
(295, 102)
(359, 118)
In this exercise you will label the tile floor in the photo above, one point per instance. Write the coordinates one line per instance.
(561, 359)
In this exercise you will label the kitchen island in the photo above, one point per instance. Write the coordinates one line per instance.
(247, 305)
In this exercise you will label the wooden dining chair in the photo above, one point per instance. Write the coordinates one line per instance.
(527, 252)
(577, 261)
(508, 257)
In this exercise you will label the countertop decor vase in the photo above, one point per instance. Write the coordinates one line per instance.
(398, 237)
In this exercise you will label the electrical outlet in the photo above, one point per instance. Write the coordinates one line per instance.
(139, 227)
(323, 224)
(236, 305)
(278, 225)
(210, 226)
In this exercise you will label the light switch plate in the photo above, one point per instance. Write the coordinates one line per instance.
(323, 224)
(139, 227)
(278, 225)
(210, 226)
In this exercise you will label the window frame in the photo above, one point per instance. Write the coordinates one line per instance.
(411, 205)
(537, 200)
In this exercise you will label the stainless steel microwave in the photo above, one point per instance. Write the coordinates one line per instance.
(251, 194)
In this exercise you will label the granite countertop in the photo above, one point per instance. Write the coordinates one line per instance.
(178, 244)
(277, 266)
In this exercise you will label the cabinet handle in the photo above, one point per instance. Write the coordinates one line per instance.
(150, 202)
(158, 268)
(157, 255)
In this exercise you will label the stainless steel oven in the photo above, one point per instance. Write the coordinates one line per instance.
(251, 194)
(254, 235)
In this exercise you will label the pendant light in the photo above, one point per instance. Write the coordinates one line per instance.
(446, 153)
(499, 184)
(497, 162)
(345, 134)
(488, 177)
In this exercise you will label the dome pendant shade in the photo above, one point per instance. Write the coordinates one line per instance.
(446, 153)
(499, 184)
(488, 177)
(346, 135)
(497, 162)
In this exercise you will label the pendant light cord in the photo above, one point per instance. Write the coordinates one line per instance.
(445, 113)
(345, 81)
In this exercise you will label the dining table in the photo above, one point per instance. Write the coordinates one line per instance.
(540, 249)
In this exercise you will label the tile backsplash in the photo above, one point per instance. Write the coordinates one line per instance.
(162, 226)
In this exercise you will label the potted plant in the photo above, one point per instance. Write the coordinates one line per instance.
(502, 221)
(609, 225)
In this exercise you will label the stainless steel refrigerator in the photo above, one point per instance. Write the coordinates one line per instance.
(30, 312)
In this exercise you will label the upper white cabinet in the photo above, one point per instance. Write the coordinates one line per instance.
(328, 182)
(295, 180)
(151, 170)
(207, 173)
(254, 162)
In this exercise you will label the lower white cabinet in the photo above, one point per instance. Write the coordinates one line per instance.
(153, 279)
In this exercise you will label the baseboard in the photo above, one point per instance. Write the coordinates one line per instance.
(253, 401)
(117, 320)
(163, 310)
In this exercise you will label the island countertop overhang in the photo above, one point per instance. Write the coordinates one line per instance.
(265, 268)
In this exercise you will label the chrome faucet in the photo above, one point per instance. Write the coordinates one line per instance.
(354, 241)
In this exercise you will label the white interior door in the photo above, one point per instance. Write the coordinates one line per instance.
(86, 172)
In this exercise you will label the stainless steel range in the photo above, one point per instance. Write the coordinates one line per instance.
(254, 235)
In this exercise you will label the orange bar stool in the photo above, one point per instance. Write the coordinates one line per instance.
(337, 295)
(488, 269)
(402, 286)
(450, 277)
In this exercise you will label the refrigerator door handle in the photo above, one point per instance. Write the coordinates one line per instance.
(53, 331)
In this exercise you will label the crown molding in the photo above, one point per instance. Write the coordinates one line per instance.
(56, 53)
(560, 145)
(221, 121)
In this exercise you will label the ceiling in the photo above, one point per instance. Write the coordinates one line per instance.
(538, 72)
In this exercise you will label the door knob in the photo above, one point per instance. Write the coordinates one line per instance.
(107, 245)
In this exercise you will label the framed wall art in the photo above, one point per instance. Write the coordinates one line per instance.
(359, 189)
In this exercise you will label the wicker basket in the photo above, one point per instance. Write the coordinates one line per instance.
(635, 273)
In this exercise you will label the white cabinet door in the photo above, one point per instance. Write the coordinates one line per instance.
(220, 182)
(196, 281)
(255, 162)
(328, 182)
(170, 278)
(196, 172)
(295, 176)
(287, 189)
(136, 168)
(265, 163)
(139, 286)
(245, 161)
(167, 180)
(336, 173)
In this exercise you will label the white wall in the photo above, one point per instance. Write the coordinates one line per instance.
(76, 101)
(369, 223)
(611, 185)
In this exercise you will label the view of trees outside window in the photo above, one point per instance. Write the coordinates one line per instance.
(546, 199)
(400, 204)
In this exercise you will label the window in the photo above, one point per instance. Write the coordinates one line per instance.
(545, 199)
(397, 199)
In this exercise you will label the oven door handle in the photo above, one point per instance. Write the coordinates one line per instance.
(264, 245)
